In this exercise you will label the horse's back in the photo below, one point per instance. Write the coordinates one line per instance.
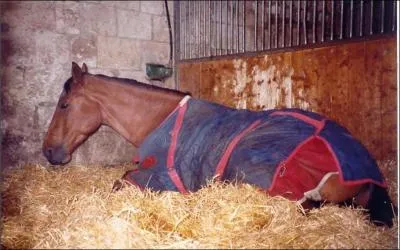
(292, 150)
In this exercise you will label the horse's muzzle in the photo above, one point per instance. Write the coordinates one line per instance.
(56, 155)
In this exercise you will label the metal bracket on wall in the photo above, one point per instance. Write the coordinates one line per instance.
(156, 71)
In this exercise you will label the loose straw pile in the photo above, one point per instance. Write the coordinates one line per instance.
(74, 208)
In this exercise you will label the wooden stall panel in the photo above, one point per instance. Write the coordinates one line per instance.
(189, 78)
(270, 81)
(354, 84)
(344, 60)
(218, 81)
(255, 83)
(313, 79)
(366, 105)
(350, 80)
(381, 73)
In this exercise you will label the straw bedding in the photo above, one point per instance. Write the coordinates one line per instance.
(73, 207)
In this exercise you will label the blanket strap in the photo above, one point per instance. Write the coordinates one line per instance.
(319, 125)
(172, 147)
(223, 162)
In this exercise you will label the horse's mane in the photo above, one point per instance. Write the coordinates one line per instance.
(133, 82)
(67, 85)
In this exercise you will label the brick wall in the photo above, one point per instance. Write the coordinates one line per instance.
(38, 42)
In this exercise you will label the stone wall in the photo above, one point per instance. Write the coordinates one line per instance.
(39, 40)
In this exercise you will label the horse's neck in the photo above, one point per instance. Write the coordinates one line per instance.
(133, 111)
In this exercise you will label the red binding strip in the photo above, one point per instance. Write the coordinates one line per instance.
(355, 182)
(177, 181)
(225, 157)
(171, 151)
(284, 162)
(319, 125)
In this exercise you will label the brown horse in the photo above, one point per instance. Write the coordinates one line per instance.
(135, 109)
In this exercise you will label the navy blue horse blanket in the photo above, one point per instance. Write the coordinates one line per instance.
(283, 151)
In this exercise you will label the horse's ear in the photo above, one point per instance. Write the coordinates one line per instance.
(84, 68)
(76, 72)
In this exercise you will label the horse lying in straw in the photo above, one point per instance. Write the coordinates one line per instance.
(184, 142)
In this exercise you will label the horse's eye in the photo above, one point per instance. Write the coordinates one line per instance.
(64, 105)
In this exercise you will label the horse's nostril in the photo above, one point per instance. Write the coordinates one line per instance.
(48, 152)
(56, 155)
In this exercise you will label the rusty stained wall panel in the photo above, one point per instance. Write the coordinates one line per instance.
(354, 84)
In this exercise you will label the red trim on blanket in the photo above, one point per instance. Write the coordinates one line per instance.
(355, 182)
(225, 157)
(177, 181)
(283, 163)
(288, 163)
(170, 114)
(171, 151)
(305, 169)
(300, 176)
(319, 125)
(136, 158)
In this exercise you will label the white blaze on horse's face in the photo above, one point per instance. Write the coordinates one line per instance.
(75, 118)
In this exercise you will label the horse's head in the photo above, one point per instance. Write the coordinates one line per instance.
(75, 118)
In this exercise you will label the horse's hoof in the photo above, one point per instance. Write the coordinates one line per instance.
(118, 185)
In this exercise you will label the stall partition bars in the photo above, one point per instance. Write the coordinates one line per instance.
(214, 29)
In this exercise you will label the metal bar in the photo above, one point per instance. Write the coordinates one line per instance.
(383, 17)
(372, 17)
(323, 22)
(263, 25)
(215, 29)
(290, 22)
(237, 26)
(394, 16)
(351, 18)
(190, 36)
(361, 17)
(313, 21)
(220, 28)
(341, 20)
(255, 25)
(269, 25)
(203, 4)
(332, 18)
(200, 34)
(227, 30)
(283, 23)
(298, 23)
(177, 41)
(198, 40)
(232, 25)
(197, 10)
(184, 31)
(244, 27)
(276, 24)
(193, 30)
(199, 28)
(210, 30)
(194, 19)
(177, 32)
(305, 22)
